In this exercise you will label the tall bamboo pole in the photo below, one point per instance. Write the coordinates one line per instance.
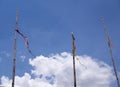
(14, 59)
(74, 53)
(111, 54)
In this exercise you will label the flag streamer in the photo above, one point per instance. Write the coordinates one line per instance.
(81, 63)
(26, 41)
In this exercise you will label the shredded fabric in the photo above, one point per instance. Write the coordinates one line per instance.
(78, 59)
(26, 41)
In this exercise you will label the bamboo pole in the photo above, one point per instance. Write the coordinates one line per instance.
(111, 54)
(74, 53)
(14, 59)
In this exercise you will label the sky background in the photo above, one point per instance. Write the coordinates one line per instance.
(48, 25)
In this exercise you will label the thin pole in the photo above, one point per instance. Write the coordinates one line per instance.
(111, 54)
(14, 59)
(74, 53)
(115, 70)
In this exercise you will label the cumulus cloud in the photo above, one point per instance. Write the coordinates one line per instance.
(57, 71)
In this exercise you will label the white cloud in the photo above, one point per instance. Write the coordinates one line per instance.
(25, 81)
(56, 71)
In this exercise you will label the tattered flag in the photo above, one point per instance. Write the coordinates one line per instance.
(78, 59)
(26, 41)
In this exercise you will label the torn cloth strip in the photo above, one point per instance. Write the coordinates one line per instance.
(26, 41)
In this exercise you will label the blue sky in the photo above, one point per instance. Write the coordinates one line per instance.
(48, 25)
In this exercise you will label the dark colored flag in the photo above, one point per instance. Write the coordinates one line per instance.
(26, 41)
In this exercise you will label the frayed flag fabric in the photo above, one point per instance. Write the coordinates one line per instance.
(24, 37)
(78, 59)
(26, 41)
